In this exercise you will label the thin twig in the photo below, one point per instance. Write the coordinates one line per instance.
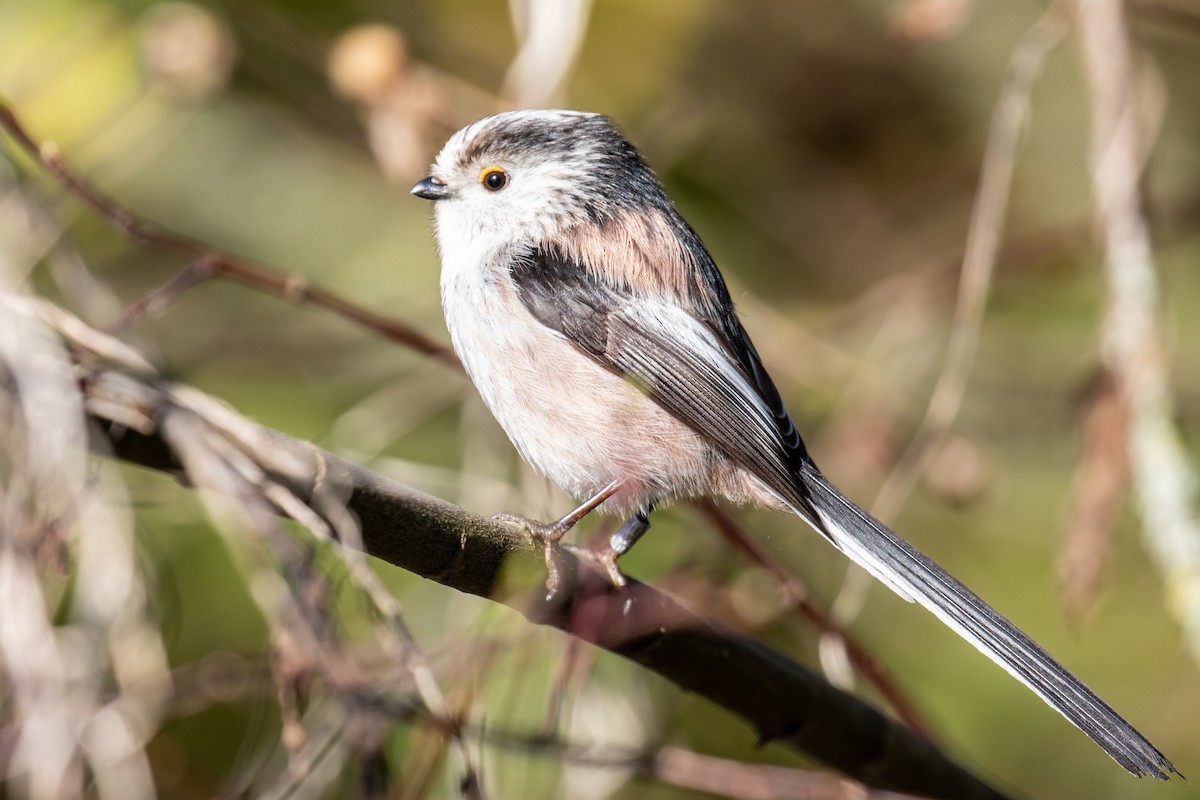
(1099, 490)
(1164, 481)
(402, 644)
(979, 261)
(781, 699)
(204, 262)
(208, 682)
(797, 595)
(983, 243)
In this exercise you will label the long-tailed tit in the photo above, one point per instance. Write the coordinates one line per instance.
(602, 337)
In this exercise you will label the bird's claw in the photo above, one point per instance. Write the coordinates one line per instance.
(544, 532)
(549, 535)
(604, 557)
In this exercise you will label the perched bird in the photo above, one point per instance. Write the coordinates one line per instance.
(602, 337)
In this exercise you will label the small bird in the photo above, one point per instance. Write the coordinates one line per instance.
(601, 335)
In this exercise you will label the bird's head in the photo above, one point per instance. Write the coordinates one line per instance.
(526, 175)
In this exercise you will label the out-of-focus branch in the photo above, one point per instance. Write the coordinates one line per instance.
(139, 417)
(1131, 347)
(984, 238)
(983, 243)
(1163, 17)
(550, 33)
(797, 597)
(223, 677)
(204, 263)
(1101, 486)
(83, 674)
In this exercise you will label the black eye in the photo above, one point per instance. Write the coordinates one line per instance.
(494, 179)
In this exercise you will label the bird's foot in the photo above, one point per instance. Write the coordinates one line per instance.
(543, 532)
(548, 535)
(604, 557)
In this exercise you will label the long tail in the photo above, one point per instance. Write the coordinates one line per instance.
(914, 576)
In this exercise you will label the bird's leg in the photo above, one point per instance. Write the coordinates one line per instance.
(620, 543)
(554, 531)
(626, 536)
(550, 534)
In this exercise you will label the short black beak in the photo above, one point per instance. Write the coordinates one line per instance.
(431, 189)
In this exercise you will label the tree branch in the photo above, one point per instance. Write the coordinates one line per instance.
(134, 413)
(205, 263)
(1165, 482)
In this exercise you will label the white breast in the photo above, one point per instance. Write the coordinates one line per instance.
(575, 421)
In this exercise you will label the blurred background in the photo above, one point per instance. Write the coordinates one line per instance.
(828, 153)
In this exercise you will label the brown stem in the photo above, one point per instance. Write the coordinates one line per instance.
(205, 263)
(797, 595)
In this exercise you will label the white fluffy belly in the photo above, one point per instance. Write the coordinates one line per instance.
(575, 421)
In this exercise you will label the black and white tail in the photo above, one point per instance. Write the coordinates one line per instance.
(914, 576)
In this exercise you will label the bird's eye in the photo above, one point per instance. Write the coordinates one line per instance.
(493, 179)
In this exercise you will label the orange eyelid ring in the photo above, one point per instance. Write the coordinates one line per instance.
(493, 178)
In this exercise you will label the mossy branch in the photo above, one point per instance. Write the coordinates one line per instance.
(138, 418)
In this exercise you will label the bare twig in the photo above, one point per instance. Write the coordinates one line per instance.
(779, 698)
(83, 675)
(204, 263)
(402, 644)
(983, 242)
(1100, 488)
(1163, 479)
(210, 680)
(216, 448)
(797, 596)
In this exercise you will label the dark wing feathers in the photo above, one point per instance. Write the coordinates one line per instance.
(715, 308)
(675, 366)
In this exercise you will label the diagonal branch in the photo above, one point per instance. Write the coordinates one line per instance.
(133, 411)
(204, 263)
(866, 664)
